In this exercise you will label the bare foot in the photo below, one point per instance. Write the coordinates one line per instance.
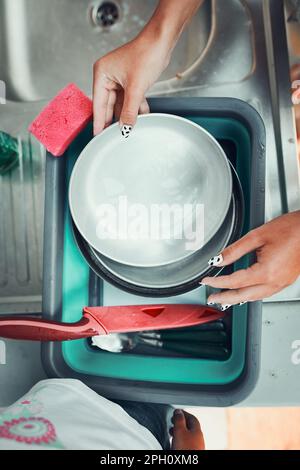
(186, 433)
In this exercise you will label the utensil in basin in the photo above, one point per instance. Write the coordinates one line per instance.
(106, 320)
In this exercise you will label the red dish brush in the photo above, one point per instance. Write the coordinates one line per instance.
(62, 119)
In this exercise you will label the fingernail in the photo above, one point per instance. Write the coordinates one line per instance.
(225, 307)
(210, 303)
(216, 260)
(178, 412)
(242, 303)
(125, 130)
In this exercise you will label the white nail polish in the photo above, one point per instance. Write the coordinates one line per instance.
(210, 303)
(125, 130)
(242, 303)
(225, 307)
(216, 260)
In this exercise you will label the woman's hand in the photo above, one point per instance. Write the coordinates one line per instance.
(122, 77)
(277, 246)
(186, 432)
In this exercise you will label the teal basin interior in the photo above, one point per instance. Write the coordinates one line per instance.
(83, 359)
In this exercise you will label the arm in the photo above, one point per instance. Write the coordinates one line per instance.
(122, 77)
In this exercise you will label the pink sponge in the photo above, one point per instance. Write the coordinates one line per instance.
(62, 119)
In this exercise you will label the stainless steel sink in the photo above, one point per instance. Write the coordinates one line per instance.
(46, 44)
(226, 51)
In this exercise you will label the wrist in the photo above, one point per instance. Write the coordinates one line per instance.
(163, 32)
(156, 37)
(169, 20)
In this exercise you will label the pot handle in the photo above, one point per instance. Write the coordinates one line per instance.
(35, 329)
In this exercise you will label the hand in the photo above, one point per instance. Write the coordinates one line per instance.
(277, 246)
(122, 78)
(187, 434)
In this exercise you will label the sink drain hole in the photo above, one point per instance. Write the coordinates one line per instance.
(106, 14)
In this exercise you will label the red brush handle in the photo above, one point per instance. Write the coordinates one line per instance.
(43, 330)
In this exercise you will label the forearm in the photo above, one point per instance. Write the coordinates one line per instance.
(169, 20)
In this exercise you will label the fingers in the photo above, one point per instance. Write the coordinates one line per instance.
(144, 107)
(110, 100)
(192, 422)
(119, 104)
(110, 108)
(178, 420)
(100, 101)
(186, 433)
(247, 294)
(184, 420)
(232, 253)
(242, 278)
(133, 99)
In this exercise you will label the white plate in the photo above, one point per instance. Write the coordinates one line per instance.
(166, 160)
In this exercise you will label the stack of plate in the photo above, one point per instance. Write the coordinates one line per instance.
(151, 210)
